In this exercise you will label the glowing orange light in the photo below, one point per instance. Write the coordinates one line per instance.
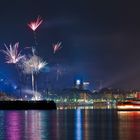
(36, 23)
(128, 107)
(129, 112)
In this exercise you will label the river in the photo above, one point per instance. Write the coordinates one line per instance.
(70, 124)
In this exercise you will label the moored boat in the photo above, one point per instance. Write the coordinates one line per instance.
(128, 105)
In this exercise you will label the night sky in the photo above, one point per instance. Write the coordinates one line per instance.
(100, 39)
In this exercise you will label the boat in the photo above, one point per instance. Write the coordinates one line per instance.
(128, 105)
(27, 105)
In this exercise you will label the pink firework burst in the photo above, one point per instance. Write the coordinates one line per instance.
(57, 47)
(36, 23)
(13, 55)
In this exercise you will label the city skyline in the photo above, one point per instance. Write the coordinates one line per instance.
(100, 40)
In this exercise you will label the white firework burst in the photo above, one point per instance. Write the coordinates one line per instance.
(13, 55)
(33, 64)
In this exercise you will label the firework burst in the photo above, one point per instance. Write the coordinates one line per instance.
(56, 47)
(33, 65)
(36, 23)
(13, 55)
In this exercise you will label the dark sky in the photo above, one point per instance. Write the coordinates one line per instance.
(101, 39)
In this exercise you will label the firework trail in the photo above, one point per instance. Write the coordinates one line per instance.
(58, 72)
(33, 25)
(56, 47)
(12, 53)
(33, 51)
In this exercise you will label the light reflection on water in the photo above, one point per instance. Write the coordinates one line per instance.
(129, 125)
(78, 124)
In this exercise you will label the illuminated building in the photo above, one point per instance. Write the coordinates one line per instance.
(79, 84)
(86, 85)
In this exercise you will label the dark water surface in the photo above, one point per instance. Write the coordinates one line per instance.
(77, 124)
